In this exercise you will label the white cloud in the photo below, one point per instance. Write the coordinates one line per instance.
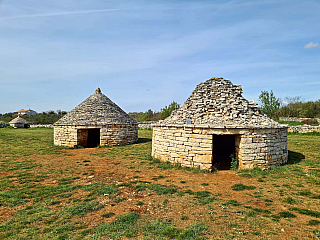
(312, 45)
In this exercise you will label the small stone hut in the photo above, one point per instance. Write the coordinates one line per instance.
(216, 125)
(96, 121)
(19, 122)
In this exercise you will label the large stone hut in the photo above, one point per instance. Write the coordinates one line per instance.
(215, 124)
(19, 122)
(96, 121)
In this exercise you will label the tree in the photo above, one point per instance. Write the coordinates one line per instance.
(167, 110)
(311, 109)
(269, 103)
(292, 107)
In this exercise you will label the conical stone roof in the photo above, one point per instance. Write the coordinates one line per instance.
(97, 109)
(219, 103)
(18, 120)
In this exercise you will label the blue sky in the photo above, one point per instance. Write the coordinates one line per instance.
(145, 54)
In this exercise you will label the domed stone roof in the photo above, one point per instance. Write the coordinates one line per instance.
(218, 102)
(97, 109)
(18, 120)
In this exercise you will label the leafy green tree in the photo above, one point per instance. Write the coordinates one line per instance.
(167, 110)
(311, 109)
(142, 117)
(270, 104)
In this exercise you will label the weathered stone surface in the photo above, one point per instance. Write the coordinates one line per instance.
(96, 112)
(220, 103)
(216, 107)
(19, 122)
(97, 109)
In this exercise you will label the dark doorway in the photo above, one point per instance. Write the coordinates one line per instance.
(93, 137)
(222, 149)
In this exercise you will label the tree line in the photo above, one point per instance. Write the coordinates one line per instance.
(271, 105)
(288, 107)
(154, 115)
(47, 117)
(50, 117)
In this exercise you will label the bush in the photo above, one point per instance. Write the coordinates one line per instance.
(310, 121)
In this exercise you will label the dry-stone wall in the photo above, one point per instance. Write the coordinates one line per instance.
(219, 102)
(96, 112)
(112, 135)
(216, 107)
(42, 125)
(191, 146)
(146, 125)
(304, 129)
(295, 119)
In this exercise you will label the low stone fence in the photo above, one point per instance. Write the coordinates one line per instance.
(141, 125)
(146, 125)
(42, 125)
(304, 128)
(295, 119)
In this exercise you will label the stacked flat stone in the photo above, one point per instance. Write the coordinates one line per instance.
(219, 102)
(18, 122)
(216, 107)
(97, 109)
(96, 112)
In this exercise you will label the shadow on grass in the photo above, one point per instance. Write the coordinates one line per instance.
(143, 140)
(294, 157)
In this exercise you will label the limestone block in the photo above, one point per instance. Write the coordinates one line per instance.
(202, 158)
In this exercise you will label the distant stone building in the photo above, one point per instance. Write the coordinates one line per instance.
(22, 112)
(216, 123)
(96, 121)
(19, 122)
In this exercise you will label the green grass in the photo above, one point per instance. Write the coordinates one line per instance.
(314, 222)
(241, 187)
(306, 212)
(80, 209)
(59, 202)
(291, 123)
(157, 188)
(286, 214)
(27, 142)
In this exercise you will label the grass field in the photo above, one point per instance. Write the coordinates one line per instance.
(49, 192)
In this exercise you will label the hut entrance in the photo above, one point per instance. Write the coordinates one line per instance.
(89, 137)
(93, 137)
(222, 149)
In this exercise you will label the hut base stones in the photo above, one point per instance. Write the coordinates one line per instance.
(96, 121)
(93, 136)
(215, 127)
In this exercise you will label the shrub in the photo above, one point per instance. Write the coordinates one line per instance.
(234, 162)
(310, 121)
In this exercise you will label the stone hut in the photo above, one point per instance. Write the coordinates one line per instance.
(96, 121)
(215, 125)
(19, 122)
